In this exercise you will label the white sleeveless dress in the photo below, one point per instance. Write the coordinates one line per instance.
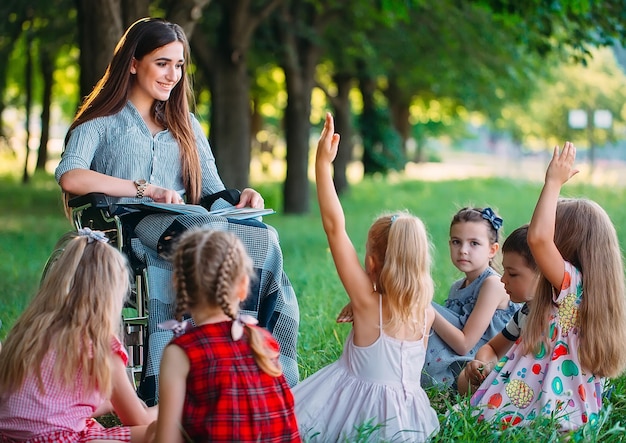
(379, 384)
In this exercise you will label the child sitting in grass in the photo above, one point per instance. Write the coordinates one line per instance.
(377, 379)
(576, 328)
(221, 380)
(477, 307)
(63, 363)
(520, 279)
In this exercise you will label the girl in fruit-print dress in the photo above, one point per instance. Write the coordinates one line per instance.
(576, 328)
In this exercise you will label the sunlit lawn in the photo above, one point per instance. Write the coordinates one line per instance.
(31, 220)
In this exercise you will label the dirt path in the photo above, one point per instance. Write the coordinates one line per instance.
(466, 165)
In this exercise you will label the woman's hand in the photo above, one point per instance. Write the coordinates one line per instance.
(250, 199)
(162, 195)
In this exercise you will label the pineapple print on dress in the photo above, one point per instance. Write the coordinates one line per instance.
(520, 393)
(568, 313)
(548, 381)
(568, 308)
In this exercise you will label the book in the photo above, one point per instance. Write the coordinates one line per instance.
(182, 209)
(242, 213)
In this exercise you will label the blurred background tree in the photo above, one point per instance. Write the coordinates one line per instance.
(395, 73)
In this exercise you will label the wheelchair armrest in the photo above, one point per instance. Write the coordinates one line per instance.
(231, 196)
(95, 199)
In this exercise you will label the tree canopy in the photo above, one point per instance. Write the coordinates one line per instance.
(392, 71)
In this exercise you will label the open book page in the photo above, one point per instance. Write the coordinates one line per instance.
(173, 208)
(230, 212)
(242, 213)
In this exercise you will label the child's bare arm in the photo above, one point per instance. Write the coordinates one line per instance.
(351, 272)
(494, 349)
(463, 340)
(105, 408)
(542, 225)
(128, 407)
(430, 320)
(172, 390)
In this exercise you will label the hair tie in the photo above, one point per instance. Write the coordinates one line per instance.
(394, 217)
(492, 218)
(236, 330)
(93, 235)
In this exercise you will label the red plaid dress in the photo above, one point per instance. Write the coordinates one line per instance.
(58, 416)
(229, 398)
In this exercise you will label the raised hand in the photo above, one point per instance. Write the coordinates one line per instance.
(561, 167)
(328, 143)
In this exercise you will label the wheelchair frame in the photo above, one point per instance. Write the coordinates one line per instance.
(97, 211)
(101, 212)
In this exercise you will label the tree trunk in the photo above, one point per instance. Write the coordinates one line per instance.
(47, 71)
(368, 125)
(297, 129)
(227, 69)
(99, 29)
(399, 107)
(186, 13)
(133, 10)
(230, 119)
(12, 32)
(343, 125)
(299, 60)
(28, 73)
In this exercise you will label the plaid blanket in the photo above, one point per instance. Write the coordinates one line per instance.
(272, 299)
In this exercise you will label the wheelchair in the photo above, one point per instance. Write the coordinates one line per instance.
(117, 221)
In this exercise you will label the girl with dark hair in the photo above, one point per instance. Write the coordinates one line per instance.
(477, 307)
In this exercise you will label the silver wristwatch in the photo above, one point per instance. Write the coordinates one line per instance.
(141, 186)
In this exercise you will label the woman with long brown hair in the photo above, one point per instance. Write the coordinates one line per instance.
(135, 138)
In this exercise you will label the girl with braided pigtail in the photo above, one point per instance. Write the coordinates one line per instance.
(221, 379)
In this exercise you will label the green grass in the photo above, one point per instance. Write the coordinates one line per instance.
(31, 220)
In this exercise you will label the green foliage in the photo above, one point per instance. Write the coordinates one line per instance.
(382, 147)
(31, 221)
(568, 27)
(598, 85)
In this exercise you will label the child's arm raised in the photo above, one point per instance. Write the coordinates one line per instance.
(353, 277)
(172, 389)
(463, 340)
(541, 229)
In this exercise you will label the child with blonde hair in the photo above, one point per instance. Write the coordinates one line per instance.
(221, 380)
(376, 380)
(62, 362)
(477, 307)
(576, 329)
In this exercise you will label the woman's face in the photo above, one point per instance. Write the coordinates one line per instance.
(157, 73)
